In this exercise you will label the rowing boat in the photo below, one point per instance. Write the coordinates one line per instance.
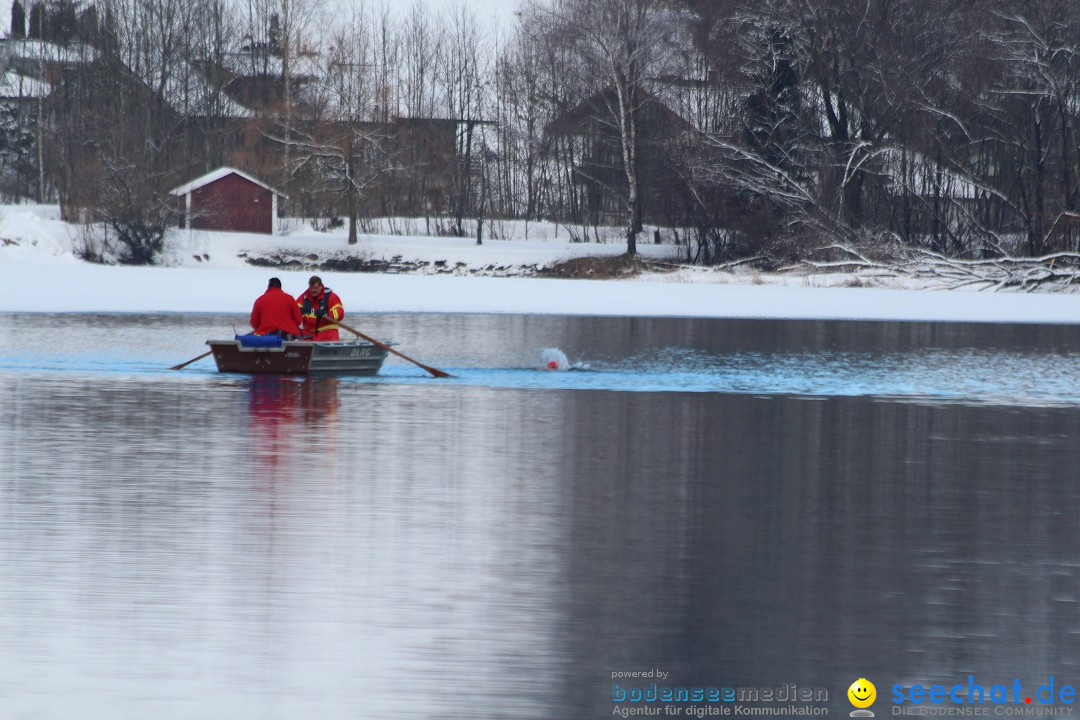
(273, 355)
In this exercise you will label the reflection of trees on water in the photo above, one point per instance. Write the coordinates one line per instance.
(797, 541)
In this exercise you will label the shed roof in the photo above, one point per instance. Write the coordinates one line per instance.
(216, 175)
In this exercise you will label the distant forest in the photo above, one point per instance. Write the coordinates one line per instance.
(735, 127)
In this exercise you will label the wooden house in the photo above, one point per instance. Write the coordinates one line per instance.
(227, 199)
(666, 140)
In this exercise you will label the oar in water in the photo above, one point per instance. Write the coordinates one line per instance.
(434, 371)
(185, 364)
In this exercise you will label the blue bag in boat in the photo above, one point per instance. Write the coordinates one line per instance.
(260, 341)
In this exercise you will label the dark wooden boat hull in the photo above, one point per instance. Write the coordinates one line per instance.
(343, 357)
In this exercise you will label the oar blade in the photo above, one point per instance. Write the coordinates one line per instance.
(434, 371)
(437, 372)
(183, 365)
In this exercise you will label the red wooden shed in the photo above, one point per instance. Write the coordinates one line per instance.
(227, 199)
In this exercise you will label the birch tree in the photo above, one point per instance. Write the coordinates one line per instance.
(623, 44)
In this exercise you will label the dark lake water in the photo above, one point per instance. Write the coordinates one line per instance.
(734, 503)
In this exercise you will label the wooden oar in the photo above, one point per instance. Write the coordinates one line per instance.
(434, 371)
(185, 364)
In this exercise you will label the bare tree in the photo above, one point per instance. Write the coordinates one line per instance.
(462, 79)
(624, 44)
(211, 37)
(278, 36)
(1040, 61)
(422, 40)
(522, 113)
(344, 147)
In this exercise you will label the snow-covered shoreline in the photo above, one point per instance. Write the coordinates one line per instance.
(207, 274)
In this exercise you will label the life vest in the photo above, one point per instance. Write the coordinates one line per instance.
(324, 303)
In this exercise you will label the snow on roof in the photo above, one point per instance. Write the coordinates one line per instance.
(188, 92)
(192, 94)
(14, 85)
(35, 50)
(215, 176)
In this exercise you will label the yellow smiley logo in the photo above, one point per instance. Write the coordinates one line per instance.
(862, 693)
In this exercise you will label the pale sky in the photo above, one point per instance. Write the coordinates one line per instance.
(500, 12)
(497, 12)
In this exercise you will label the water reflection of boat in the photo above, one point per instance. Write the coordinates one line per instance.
(276, 401)
(281, 409)
(289, 357)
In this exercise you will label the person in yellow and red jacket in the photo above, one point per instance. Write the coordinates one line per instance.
(321, 308)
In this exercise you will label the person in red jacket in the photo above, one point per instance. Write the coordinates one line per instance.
(321, 308)
(275, 312)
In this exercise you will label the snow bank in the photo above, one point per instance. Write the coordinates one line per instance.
(40, 273)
